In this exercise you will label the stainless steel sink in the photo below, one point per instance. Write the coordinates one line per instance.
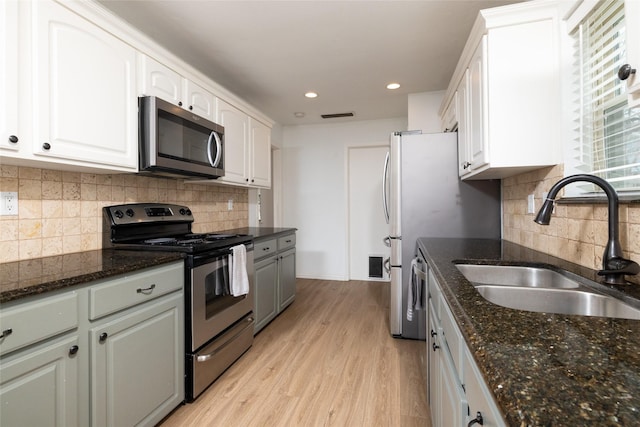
(530, 277)
(562, 301)
(543, 290)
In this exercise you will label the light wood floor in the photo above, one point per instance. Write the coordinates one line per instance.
(327, 360)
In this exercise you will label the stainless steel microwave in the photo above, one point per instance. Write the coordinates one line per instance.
(175, 142)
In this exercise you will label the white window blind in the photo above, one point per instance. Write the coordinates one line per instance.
(606, 133)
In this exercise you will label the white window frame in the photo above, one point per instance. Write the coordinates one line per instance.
(577, 11)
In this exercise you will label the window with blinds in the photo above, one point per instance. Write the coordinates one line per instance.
(606, 132)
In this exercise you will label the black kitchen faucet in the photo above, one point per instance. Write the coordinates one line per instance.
(614, 266)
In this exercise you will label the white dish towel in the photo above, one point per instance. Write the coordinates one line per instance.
(239, 277)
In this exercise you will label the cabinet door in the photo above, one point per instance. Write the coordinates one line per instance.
(9, 75)
(157, 80)
(39, 387)
(266, 292)
(477, 106)
(85, 104)
(137, 364)
(199, 101)
(632, 16)
(478, 394)
(287, 278)
(235, 124)
(464, 145)
(260, 154)
(433, 361)
(453, 404)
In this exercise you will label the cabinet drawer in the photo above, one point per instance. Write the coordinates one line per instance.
(286, 242)
(130, 290)
(264, 248)
(31, 322)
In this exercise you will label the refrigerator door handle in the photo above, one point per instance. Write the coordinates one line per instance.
(385, 175)
(387, 241)
(387, 265)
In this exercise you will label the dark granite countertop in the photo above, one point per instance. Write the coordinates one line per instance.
(37, 276)
(544, 369)
(261, 233)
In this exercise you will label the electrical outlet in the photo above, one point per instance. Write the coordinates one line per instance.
(230, 205)
(8, 203)
(531, 204)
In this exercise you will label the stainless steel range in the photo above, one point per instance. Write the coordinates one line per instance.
(219, 325)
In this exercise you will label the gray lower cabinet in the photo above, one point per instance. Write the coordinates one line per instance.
(39, 386)
(136, 366)
(266, 292)
(275, 277)
(110, 353)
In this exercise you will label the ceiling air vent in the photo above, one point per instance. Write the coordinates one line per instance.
(336, 116)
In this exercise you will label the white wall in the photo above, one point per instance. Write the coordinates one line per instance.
(423, 111)
(315, 182)
(314, 188)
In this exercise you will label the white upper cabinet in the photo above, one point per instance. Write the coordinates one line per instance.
(510, 69)
(84, 100)
(632, 16)
(159, 80)
(9, 136)
(260, 144)
(247, 147)
(236, 150)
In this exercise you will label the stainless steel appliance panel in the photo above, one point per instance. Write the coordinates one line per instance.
(211, 314)
(176, 142)
(208, 363)
(428, 199)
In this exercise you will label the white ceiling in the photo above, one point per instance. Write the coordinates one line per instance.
(271, 52)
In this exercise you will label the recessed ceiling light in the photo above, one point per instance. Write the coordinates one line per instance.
(299, 114)
(393, 86)
(311, 95)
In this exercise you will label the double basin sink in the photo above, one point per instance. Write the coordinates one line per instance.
(544, 290)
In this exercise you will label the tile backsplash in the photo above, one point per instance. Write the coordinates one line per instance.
(61, 212)
(577, 232)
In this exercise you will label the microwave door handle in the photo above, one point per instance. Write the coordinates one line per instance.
(209, 149)
(216, 161)
(385, 177)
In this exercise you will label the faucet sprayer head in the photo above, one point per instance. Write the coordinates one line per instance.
(544, 214)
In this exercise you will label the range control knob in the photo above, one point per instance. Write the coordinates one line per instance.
(189, 212)
(183, 211)
(130, 212)
(118, 214)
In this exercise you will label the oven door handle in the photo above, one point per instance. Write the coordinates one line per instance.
(205, 357)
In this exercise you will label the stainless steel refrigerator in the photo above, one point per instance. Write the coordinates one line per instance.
(424, 197)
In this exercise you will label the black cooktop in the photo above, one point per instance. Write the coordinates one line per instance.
(161, 227)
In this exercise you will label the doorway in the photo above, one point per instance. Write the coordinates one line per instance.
(367, 226)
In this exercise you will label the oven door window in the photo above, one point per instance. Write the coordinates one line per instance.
(217, 289)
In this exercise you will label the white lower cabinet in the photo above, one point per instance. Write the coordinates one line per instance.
(68, 359)
(457, 391)
(275, 278)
